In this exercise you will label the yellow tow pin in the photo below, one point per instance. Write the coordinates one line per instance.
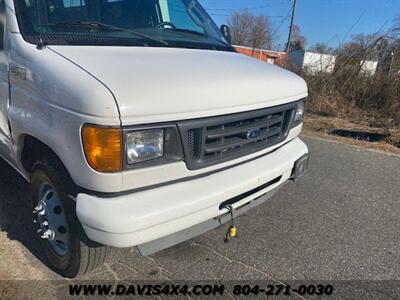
(233, 232)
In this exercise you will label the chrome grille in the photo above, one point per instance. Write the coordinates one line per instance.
(215, 140)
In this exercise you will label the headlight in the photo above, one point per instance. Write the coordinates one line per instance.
(299, 114)
(113, 149)
(144, 145)
(103, 148)
(298, 117)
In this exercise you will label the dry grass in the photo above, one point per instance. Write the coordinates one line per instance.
(375, 100)
(320, 126)
(350, 98)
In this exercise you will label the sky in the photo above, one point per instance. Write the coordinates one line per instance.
(329, 21)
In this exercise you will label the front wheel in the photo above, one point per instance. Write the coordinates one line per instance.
(67, 248)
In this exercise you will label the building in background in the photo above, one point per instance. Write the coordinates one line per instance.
(369, 67)
(311, 62)
(269, 56)
(365, 67)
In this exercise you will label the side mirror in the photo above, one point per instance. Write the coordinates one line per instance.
(226, 32)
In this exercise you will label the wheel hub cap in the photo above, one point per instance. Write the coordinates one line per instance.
(51, 220)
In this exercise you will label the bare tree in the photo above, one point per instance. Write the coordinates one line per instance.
(321, 48)
(391, 57)
(298, 41)
(354, 90)
(251, 30)
(363, 46)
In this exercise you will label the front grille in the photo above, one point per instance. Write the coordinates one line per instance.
(215, 140)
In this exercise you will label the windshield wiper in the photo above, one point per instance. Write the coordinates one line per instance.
(103, 26)
(197, 33)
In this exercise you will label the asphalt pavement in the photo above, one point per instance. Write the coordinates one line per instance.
(340, 222)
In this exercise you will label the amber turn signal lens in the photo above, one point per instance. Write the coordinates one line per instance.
(103, 148)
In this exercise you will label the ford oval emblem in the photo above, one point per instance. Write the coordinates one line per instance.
(253, 134)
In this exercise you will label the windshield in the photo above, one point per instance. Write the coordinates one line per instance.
(151, 23)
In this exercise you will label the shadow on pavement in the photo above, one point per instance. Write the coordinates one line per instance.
(16, 210)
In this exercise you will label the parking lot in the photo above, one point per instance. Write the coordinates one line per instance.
(341, 222)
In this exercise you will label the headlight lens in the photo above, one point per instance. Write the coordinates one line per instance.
(298, 117)
(144, 145)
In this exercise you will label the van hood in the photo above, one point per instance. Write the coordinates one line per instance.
(165, 84)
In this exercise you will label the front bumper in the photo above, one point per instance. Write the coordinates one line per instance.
(150, 215)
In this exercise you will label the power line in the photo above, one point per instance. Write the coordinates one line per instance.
(278, 27)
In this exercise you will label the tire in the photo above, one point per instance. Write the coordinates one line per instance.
(68, 250)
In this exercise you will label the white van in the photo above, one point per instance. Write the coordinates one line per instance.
(137, 124)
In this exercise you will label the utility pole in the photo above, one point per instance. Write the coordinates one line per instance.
(291, 27)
